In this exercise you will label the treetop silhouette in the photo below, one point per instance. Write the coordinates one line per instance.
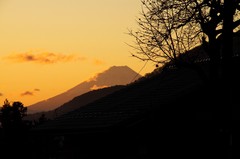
(11, 114)
(170, 28)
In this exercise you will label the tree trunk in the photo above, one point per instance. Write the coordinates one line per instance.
(227, 83)
(227, 56)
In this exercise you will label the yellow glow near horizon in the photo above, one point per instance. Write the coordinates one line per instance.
(49, 46)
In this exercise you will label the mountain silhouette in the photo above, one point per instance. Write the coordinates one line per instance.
(115, 75)
(75, 103)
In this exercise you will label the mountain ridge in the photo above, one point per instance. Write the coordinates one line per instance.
(115, 75)
(75, 103)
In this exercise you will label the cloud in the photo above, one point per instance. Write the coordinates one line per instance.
(44, 57)
(27, 93)
(1, 94)
(36, 90)
(30, 93)
(95, 87)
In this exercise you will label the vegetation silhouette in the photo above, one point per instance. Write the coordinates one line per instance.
(170, 29)
(42, 119)
(11, 115)
(14, 129)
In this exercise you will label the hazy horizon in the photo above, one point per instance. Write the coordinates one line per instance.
(91, 78)
(48, 47)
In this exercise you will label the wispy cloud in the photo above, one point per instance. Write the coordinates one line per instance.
(36, 89)
(95, 87)
(30, 93)
(43, 57)
(27, 93)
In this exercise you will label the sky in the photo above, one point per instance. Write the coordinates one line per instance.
(50, 46)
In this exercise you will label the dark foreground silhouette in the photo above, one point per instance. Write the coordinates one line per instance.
(171, 114)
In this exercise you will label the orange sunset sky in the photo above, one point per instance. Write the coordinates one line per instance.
(49, 46)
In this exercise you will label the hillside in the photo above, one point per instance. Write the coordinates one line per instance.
(76, 103)
(160, 94)
(116, 75)
(169, 108)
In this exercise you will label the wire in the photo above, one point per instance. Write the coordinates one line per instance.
(139, 71)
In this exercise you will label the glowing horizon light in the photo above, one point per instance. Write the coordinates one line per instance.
(54, 45)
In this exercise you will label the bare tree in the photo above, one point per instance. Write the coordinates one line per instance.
(163, 34)
(170, 28)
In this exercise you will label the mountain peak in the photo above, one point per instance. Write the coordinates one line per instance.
(115, 75)
(119, 67)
